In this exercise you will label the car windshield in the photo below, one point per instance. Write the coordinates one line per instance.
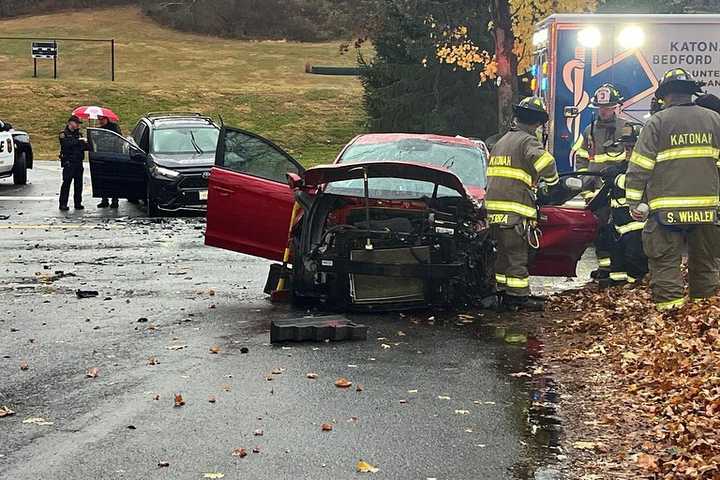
(467, 162)
(192, 140)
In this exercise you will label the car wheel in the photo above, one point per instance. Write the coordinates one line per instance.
(20, 169)
(150, 203)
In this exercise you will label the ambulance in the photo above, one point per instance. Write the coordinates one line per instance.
(575, 54)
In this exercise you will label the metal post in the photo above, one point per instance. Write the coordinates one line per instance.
(55, 60)
(112, 58)
(34, 67)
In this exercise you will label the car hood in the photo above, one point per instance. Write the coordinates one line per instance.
(323, 174)
(181, 160)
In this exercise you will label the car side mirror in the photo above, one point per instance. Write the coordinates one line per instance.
(137, 154)
(571, 112)
(295, 181)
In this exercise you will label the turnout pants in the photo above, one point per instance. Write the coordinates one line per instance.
(72, 173)
(605, 240)
(511, 264)
(664, 247)
(629, 262)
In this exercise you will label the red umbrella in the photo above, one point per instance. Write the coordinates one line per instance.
(91, 112)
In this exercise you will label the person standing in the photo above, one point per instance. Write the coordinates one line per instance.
(596, 150)
(674, 167)
(104, 122)
(72, 153)
(518, 161)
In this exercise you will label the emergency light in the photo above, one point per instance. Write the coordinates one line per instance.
(589, 37)
(631, 37)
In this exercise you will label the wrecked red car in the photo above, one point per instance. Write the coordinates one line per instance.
(397, 222)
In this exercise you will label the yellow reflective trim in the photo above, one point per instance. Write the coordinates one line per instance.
(642, 161)
(553, 180)
(604, 262)
(618, 276)
(677, 303)
(619, 203)
(688, 152)
(544, 161)
(683, 202)
(631, 279)
(500, 278)
(620, 181)
(629, 227)
(515, 282)
(512, 207)
(606, 157)
(578, 144)
(582, 153)
(510, 172)
(580, 170)
(632, 194)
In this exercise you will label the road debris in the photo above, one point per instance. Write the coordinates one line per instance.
(364, 467)
(311, 376)
(179, 401)
(239, 452)
(343, 383)
(37, 421)
(92, 372)
(5, 411)
(24, 366)
(326, 427)
(87, 293)
(215, 349)
(163, 464)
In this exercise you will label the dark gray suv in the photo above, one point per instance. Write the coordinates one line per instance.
(166, 161)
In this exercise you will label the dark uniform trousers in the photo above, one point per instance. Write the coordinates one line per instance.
(664, 246)
(72, 173)
(511, 264)
(628, 258)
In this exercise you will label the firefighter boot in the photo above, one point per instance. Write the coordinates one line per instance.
(514, 303)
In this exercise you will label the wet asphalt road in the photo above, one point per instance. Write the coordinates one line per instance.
(438, 399)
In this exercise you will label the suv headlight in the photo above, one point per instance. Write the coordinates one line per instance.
(22, 138)
(165, 173)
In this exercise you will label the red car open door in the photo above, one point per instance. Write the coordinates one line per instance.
(249, 200)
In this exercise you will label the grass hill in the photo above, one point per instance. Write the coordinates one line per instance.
(259, 86)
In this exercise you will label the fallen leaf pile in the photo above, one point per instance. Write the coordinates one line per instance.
(649, 381)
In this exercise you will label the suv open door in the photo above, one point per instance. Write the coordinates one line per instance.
(249, 200)
(117, 167)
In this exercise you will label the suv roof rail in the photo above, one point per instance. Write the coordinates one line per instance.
(173, 113)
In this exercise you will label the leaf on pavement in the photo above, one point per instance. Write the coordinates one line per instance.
(462, 412)
(258, 433)
(443, 397)
(359, 388)
(343, 383)
(24, 366)
(153, 360)
(37, 421)
(92, 372)
(364, 467)
(385, 345)
(179, 401)
(326, 427)
(214, 475)
(215, 349)
(163, 464)
(277, 371)
(212, 399)
(584, 445)
(239, 452)
(520, 374)
(312, 376)
(176, 347)
(6, 412)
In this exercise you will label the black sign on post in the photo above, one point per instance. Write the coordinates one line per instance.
(45, 51)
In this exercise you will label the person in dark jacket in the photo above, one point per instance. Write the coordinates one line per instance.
(72, 153)
(104, 122)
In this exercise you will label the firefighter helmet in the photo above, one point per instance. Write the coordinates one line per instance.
(677, 80)
(607, 95)
(531, 110)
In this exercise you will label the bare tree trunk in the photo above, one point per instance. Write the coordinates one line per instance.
(506, 62)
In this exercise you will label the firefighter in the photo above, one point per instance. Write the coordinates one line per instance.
(518, 161)
(72, 153)
(105, 123)
(674, 169)
(594, 151)
(628, 260)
